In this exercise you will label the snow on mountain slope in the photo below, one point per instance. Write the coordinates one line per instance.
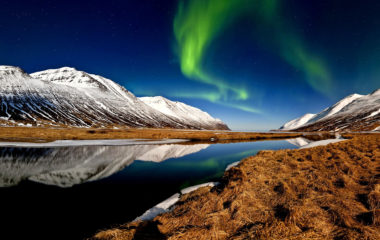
(182, 112)
(68, 166)
(68, 97)
(68, 76)
(354, 112)
(110, 98)
(336, 108)
(298, 122)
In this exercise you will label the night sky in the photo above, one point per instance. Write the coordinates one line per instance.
(253, 63)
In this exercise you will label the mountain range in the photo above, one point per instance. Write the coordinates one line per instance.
(353, 113)
(73, 98)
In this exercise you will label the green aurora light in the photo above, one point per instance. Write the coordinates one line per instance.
(199, 22)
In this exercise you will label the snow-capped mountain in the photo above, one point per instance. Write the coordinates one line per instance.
(68, 166)
(354, 113)
(296, 123)
(68, 97)
(183, 112)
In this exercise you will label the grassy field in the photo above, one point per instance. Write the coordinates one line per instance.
(326, 192)
(29, 134)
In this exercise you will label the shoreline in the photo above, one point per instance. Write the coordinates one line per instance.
(44, 135)
(273, 195)
(93, 142)
(167, 204)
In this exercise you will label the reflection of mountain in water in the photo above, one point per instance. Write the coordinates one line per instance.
(299, 142)
(67, 166)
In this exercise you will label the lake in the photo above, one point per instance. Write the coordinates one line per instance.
(71, 192)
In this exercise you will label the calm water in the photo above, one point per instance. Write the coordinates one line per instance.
(70, 192)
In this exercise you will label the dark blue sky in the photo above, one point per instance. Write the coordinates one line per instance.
(306, 57)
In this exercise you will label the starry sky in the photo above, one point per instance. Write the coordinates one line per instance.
(255, 64)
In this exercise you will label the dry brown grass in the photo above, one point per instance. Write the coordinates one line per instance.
(326, 192)
(49, 134)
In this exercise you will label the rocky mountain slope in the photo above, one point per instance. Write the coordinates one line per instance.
(68, 97)
(353, 113)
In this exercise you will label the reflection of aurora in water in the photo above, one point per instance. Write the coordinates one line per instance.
(204, 166)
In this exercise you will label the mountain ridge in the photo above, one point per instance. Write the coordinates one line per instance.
(181, 111)
(69, 97)
(353, 113)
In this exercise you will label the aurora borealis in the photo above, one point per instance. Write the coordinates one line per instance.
(195, 27)
(198, 22)
(253, 63)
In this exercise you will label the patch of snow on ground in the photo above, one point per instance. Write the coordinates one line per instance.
(234, 164)
(166, 205)
(193, 188)
(159, 208)
(321, 143)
